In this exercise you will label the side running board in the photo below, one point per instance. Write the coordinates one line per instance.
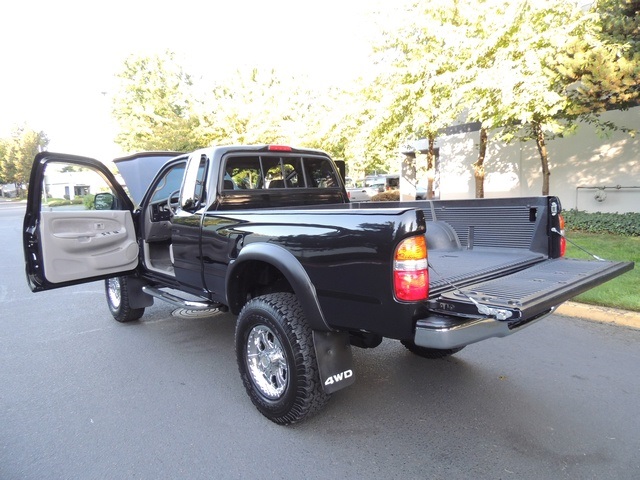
(180, 302)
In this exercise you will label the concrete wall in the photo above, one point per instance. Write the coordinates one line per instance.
(583, 166)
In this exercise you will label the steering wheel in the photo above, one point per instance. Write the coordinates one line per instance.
(172, 202)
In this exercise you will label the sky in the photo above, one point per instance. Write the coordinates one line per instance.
(59, 57)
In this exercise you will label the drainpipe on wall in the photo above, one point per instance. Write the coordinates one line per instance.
(600, 195)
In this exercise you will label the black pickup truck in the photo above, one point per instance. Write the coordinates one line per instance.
(268, 233)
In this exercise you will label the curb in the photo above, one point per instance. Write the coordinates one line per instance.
(594, 313)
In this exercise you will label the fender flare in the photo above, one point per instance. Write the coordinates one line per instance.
(293, 271)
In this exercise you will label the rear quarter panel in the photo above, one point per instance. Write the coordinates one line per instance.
(347, 255)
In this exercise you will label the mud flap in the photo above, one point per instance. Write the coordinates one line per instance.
(335, 363)
(137, 298)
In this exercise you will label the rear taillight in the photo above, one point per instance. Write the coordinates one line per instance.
(279, 148)
(410, 270)
(563, 241)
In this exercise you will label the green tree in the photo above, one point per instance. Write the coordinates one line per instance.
(17, 153)
(346, 132)
(602, 68)
(489, 29)
(414, 94)
(567, 65)
(606, 64)
(496, 61)
(4, 149)
(155, 107)
(261, 106)
(525, 97)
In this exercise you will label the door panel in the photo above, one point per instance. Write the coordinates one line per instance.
(66, 241)
(80, 244)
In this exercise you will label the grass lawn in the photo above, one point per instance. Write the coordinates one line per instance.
(621, 292)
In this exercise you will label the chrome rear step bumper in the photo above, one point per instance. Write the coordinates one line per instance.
(448, 332)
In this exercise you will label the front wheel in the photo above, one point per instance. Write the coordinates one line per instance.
(118, 300)
(276, 359)
(431, 353)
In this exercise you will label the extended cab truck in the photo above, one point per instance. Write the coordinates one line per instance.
(268, 233)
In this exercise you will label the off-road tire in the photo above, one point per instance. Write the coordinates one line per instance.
(276, 359)
(431, 353)
(118, 300)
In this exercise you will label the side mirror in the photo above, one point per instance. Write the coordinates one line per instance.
(104, 201)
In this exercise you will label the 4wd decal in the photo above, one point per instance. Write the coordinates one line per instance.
(338, 377)
(333, 353)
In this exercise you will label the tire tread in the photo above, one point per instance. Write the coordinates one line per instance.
(309, 396)
(123, 313)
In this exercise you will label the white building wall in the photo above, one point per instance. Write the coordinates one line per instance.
(582, 165)
(59, 184)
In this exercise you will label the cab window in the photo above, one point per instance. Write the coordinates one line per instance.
(71, 187)
(168, 184)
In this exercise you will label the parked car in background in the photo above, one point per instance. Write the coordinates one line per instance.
(9, 190)
(390, 183)
(359, 192)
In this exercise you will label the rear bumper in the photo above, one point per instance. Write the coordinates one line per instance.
(469, 314)
(443, 332)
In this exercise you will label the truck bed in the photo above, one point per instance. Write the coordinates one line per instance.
(463, 267)
(496, 252)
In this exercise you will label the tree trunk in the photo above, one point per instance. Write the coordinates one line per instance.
(478, 167)
(544, 158)
(431, 167)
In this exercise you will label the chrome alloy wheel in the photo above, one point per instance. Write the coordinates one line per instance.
(113, 289)
(267, 362)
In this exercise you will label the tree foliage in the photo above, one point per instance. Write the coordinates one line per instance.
(157, 108)
(526, 70)
(510, 65)
(154, 105)
(540, 106)
(412, 95)
(604, 65)
(259, 106)
(17, 153)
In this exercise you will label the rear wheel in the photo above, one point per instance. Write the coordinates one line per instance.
(431, 353)
(118, 300)
(276, 359)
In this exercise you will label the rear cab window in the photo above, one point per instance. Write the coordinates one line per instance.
(274, 172)
(277, 180)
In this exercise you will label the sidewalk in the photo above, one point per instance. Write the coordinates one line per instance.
(600, 314)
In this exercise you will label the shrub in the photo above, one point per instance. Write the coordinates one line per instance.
(390, 196)
(627, 224)
(58, 202)
(88, 202)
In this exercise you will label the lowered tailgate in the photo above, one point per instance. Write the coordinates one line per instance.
(527, 293)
